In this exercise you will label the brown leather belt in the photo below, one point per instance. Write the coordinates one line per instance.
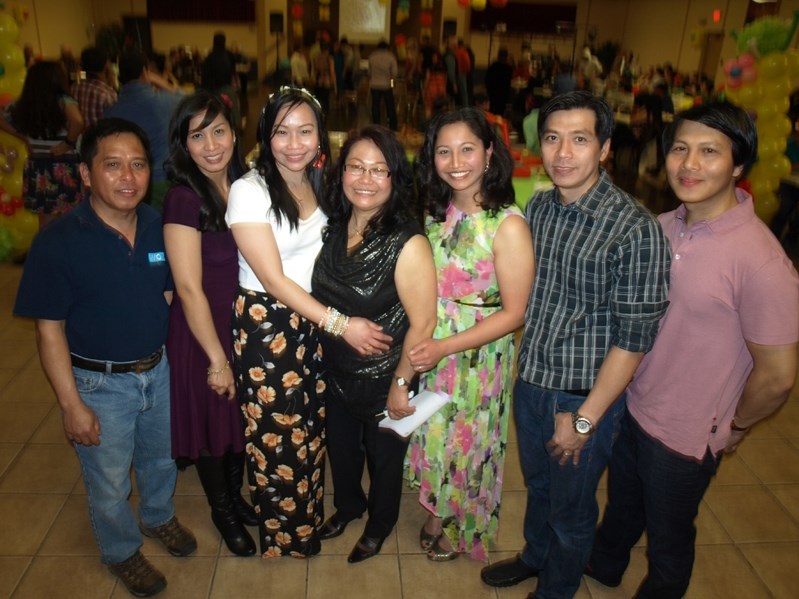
(137, 366)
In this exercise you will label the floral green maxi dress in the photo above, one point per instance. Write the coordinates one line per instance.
(456, 458)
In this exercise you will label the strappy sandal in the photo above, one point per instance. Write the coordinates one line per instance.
(437, 553)
(426, 540)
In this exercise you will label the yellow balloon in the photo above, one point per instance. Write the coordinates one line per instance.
(14, 153)
(776, 167)
(793, 63)
(778, 88)
(771, 146)
(780, 126)
(9, 31)
(771, 108)
(732, 94)
(478, 4)
(760, 186)
(749, 95)
(773, 65)
(766, 206)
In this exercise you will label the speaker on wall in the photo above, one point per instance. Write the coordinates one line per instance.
(275, 22)
(450, 27)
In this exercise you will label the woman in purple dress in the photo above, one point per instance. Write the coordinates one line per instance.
(207, 425)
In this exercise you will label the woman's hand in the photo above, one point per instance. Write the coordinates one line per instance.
(366, 337)
(397, 404)
(426, 354)
(220, 380)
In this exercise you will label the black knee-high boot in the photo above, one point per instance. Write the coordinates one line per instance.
(234, 470)
(212, 474)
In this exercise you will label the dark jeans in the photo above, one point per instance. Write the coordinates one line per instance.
(562, 511)
(651, 487)
(385, 96)
(350, 443)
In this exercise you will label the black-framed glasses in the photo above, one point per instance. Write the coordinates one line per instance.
(287, 89)
(356, 170)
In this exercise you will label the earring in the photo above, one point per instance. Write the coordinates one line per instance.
(486, 168)
(319, 163)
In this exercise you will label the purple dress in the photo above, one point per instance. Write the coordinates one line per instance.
(201, 419)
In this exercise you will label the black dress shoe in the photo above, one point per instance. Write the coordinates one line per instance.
(332, 528)
(591, 572)
(365, 548)
(507, 572)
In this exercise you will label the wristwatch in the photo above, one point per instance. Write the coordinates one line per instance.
(581, 424)
(401, 382)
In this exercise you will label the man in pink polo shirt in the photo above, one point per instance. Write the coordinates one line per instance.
(725, 357)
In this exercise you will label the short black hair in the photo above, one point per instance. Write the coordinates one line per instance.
(603, 128)
(731, 120)
(401, 204)
(93, 60)
(132, 63)
(91, 138)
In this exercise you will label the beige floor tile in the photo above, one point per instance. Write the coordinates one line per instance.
(788, 496)
(19, 336)
(635, 573)
(8, 451)
(775, 564)
(42, 469)
(734, 471)
(412, 516)
(66, 577)
(786, 421)
(709, 530)
(18, 420)
(245, 577)
(29, 386)
(6, 374)
(71, 533)
(513, 479)
(722, 572)
(332, 576)
(11, 571)
(772, 460)
(457, 579)
(24, 521)
(51, 429)
(188, 482)
(511, 521)
(187, 578)
(751, 514)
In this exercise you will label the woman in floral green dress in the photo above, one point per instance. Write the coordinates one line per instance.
(484, 259)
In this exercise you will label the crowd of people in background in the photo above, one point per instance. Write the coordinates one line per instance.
(274, 317)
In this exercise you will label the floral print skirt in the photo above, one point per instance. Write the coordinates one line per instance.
(276, 359)
(51, 186)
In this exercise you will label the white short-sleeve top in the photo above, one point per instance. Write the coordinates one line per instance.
(249, 202)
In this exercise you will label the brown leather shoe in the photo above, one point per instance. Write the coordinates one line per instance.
(177, 539)
(139, 576)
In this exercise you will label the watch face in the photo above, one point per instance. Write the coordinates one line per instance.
(582, 426)
(402, 382)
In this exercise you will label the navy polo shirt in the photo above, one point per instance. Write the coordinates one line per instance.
(110, 294)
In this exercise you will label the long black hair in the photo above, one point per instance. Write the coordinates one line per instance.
(181, 168)
(39, 111)
(283, 205)
(496, 185)
(401, 204)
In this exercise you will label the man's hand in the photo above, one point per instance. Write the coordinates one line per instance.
(81, 425)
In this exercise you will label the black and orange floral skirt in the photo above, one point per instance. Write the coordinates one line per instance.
(277, 364)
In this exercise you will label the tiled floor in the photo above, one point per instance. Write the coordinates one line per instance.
(748, 539)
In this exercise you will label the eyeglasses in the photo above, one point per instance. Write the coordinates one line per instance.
(356, 170)
(289, 89)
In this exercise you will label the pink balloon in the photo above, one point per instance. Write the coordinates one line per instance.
(749, 74)
(746, 60)
(728, 66)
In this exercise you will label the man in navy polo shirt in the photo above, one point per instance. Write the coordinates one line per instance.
(98, 284)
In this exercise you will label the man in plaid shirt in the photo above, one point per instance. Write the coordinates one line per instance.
(600, 291)
(94, 94)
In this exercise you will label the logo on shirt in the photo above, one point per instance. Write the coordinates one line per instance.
(156, 257)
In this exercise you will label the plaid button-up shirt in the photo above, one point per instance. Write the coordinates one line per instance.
(601, 280)
(94, 96)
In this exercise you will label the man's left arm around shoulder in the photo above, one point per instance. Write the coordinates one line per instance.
(768, 386)
(612, 379)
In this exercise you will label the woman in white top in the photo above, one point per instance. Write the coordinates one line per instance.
(277, 223)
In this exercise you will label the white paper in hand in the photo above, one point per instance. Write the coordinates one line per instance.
(426, 403)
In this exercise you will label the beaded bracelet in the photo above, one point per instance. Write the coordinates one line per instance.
(325, 317)
(220, 371)
(334, 322)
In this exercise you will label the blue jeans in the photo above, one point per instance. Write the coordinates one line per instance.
(651, 487)
(561, 510)
(133, 410)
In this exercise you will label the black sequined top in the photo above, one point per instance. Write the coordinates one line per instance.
(360, 282)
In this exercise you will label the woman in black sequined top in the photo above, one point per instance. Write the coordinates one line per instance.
(376, 263)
